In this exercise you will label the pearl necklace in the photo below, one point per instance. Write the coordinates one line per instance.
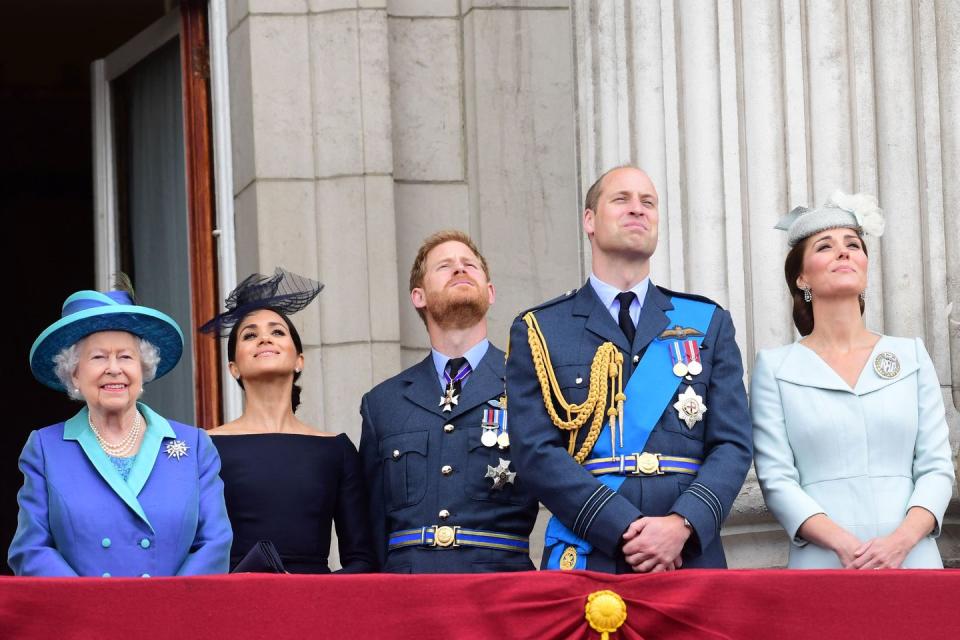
(125, 447)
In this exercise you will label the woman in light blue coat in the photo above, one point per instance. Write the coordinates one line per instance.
(116, 490)
(850, 440)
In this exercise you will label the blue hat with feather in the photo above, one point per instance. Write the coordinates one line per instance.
(87, 312)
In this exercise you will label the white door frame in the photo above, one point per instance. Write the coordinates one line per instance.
(231, 394)
(102, 73)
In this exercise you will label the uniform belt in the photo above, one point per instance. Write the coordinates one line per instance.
(447, 537)
(642, 464)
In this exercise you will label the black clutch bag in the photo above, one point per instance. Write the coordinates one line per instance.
(262, 558)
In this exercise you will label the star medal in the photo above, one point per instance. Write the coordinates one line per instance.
(501, 475)
(176, 449)
(692, 349)
(690, 407)
(490, 425)
(449, 399)
(887, 365)
(451, 394)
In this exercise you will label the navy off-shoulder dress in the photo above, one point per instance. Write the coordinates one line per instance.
(288, 488)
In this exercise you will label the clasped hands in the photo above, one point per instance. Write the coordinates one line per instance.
(654, 543)
(884, 552)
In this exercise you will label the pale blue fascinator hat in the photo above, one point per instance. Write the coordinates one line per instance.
(87, 312)
(858, 211)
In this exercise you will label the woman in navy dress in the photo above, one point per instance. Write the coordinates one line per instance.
(285, 481)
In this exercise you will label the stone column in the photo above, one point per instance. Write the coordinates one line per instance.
(313, 159)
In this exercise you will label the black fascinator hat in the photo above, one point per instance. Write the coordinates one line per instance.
(283, 291)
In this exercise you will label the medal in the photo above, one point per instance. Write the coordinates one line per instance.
(690, 407)
(449, 399)
(500, 474)
(692, 350)
(887, 365)
(678, 358)
(503, 440)
(489, 437)
(451, 395)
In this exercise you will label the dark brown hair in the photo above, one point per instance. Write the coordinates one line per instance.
(232, 350)
(792, 268)
(419, 269)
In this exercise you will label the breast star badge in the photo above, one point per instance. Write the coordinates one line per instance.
(501, 474)
(176, 449)
(690, 407)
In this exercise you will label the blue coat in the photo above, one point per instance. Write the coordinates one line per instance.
(78, 517)
(862, 456)
(574, 326)
(404, 446)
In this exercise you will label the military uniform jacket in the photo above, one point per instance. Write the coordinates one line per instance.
(574, 326)
(405, 444)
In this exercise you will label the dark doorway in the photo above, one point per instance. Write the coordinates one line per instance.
(45, 53)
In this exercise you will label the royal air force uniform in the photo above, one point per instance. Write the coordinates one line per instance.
(445, 496)
(650, 428)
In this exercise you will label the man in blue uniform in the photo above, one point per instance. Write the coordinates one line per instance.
(629, 414)
(444, 494)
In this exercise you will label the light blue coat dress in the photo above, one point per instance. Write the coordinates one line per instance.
(862, 456)
(78, 516)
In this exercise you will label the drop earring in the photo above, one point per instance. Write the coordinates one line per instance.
(807, 293)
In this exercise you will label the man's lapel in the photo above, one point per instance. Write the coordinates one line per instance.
(483, 384)
(423, 386)
(599, 320)
(653, 319)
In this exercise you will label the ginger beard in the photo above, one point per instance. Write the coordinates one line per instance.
(457, 306)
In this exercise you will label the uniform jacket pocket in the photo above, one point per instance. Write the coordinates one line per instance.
(480, 487)
(404, 457)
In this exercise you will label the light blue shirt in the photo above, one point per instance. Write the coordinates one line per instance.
(473, 355)
(608, 296)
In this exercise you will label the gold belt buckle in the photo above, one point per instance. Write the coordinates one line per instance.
(445, 536)
(648, 464)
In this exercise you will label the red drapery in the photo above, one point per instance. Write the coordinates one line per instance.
(542, 605)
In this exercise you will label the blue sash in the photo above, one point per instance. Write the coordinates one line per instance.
(649, 390)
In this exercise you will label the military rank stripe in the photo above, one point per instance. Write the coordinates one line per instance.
(591, 508)
(709, 499)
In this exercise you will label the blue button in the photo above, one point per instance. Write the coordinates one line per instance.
(145, 543)
(145, 575)
(106, 574)
(105, 543)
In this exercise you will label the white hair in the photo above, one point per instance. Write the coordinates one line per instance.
(65, 365)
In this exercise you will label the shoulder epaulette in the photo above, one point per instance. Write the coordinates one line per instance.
(549, 303)
(688, 296)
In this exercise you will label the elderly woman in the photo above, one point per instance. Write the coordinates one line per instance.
(286, 481)
(116, 490)
(851, 444)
